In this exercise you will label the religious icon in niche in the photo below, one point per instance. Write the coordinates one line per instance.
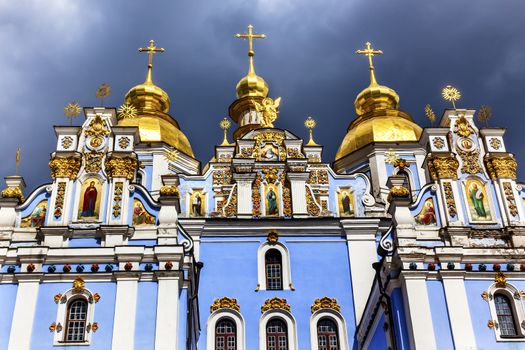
(37, 217)
(90, 194)
(477, 199)
(269, 152)
(346, 202)
(427, 215)
(271, 201)
(141, 215)
(197, 201)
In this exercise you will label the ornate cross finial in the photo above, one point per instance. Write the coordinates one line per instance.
(450, 93)
(225, 125)
(150, 50)
(310, 124)
(250, 36)
(72, 110)
(370, 52)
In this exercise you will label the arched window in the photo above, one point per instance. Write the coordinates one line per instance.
(506, 318)
(276, 335)
(76, 320)
(225, 335)
(274, 270)
(327, 335)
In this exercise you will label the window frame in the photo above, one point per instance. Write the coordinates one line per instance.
(285, 265)
(288, 319)
(220, 314)
(517, 309)
(69, 297)
(276, 253)
(339, 321)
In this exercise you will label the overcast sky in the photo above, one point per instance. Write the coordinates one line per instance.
(61, 50)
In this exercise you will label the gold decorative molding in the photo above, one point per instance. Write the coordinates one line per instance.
(231, 208)
(501, 166)
(256, 196)
(79, 285)
(500, 279)
(117, 199)
(225, 303)
(121, 167)
(493, 324)
(97, 128)
(470, 161)
(463, 128)
(325, 303)
(169, 191)
(59, 201)
(398, 192)
(65, 167)
(93, 161)
(13, 192)
(275, 304)
(509, 196)
(311, 206)
(443, 167)
(273, 237)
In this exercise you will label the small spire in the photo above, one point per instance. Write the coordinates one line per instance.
(370, 52)
(250, 36)
(225, 125)
(150, 50)
(310, 124)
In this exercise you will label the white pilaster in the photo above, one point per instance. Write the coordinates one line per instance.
(244, 193)
(166, 327)
(298, 187)
(419, 317)
(458, 310)
(24, 312)
(125, 312)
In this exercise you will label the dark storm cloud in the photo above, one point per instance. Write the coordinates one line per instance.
(53, 52)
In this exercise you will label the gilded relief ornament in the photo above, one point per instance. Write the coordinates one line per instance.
(443, 167)
(312, 207)
(398, 192)
(501, 166)
(438, 142)
(93, 161)
(123, 142)
(509, 196)
(273, 137)
(269, 110)
(463, 128)
(65, 167)
(66, 142)
(97, 127)
(256, 196)
(127, 111)
(225, 303)
(79, 285)
(492, 324)
(470, 161)
(225, 125)
(121, 167)
(230, 208)
(59, 201)
(169, 191)
(449, 199)
(500, 279)
(310, 124)
(13, 192)
(325, 303)
(275, 304)
(495, 143)
(287, 201)
(117, 199)
(272, 237)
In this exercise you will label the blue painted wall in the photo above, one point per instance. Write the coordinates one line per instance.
(46, 312)
(146, 315)
(317, 270)
(7, 306)
(440, 320)
(379, 339)
(398, 312)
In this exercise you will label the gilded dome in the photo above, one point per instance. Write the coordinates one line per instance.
(252, 85)
(148, 96)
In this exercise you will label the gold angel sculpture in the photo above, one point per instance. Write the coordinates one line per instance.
(269, 109)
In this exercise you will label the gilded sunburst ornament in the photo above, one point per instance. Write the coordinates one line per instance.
(72, 110)
(451, 94)
(127, 111)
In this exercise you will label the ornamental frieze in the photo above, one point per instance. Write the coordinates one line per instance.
(501, 166)
(65, 167)
(121, 167)
(225, 303)
(325, 303)
(275, 304)
(443, 167)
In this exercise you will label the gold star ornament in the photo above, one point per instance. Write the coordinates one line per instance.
(127, 111)
(451, 94)
(72, 110)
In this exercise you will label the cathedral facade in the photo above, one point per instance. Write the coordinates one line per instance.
(410, 238)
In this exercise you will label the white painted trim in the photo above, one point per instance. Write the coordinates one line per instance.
(61, 318)
(239, 325)
(261, 266)
(341, 328)
(23, 315)
(290, 325)
(509, 291)
(125, 311)
(167, 317)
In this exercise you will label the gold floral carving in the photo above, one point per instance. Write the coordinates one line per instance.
(495, 143)
(509, 196)
(463, 127)
(121, 167)
(314, 158)
(59, 202)
(65, 167)
(500, 279)
(79, 285)
(287, 201)
(117, 199)
(273, 237)
(97, 127)
(443, 167)
(325, 303)
(501, 167)
(222, 177)
(67, 141)
(318, 177)
(398, 192)
(275, 303)
(294, 153)
(123, 142)
(449, 198)
(169, 191)
(470, 160)
(270, 174)
(13, 192)
(272, 136)
(256, 196)
(225, 303)
(231, 208)
(93, 161)
(311, 206)
(246, 152)
(438, 142)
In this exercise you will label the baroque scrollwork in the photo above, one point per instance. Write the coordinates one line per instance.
(398, 192)
(443, 167)
(93, 161)
(470, 160)
(65, 167)
(275, 304)
(325, 303)
(225, 303)
(463, 127)
(501, 166)
(121, 167)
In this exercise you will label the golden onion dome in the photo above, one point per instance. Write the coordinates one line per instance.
(150, 106)
(252, 85)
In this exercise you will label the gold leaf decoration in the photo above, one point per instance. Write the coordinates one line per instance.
(325, 303)
(275, 303)
(225, 303)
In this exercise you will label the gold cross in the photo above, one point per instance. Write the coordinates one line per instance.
(150, 50)
(250, 36)
(370, 52)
